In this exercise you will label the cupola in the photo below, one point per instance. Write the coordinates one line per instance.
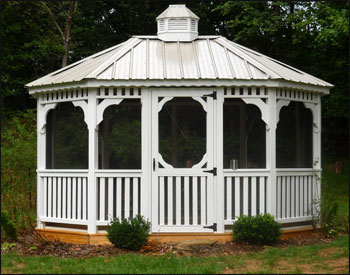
(177, 23)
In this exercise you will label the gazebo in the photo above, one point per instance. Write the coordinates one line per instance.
(190, 131)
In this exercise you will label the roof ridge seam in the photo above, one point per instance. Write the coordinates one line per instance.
(115, 57)
(252, 61)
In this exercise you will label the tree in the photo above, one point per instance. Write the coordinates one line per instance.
(65, 35)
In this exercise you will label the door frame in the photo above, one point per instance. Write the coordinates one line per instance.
(212, 139)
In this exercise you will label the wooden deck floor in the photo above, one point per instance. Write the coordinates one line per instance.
(101, 238)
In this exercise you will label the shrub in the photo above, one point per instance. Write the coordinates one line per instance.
(329, 214)
(130, 233)
(261, 229)
(18, 168)
(8, 226)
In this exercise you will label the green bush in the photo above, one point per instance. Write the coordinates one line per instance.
(18, 167)
(261, 229)
(8, 226)
(130, 233)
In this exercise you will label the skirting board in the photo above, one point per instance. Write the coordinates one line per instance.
(101, 238)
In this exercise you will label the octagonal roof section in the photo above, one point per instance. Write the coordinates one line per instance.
(177, 11)
(206, 58)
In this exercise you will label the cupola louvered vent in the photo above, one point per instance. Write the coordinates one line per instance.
(161, 25)
(193, 25)
(177, 23)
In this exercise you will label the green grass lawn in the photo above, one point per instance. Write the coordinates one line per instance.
(329, 257)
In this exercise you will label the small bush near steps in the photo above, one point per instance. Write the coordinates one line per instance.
(8, 226)
(130, 234)
(260, 229)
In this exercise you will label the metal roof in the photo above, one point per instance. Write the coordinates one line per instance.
(177, 11)
(206, 58)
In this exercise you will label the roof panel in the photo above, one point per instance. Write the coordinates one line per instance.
(189, 66)
(221, 61)
(172, 61)
(139, 61)
(239, 66)
(122, 67)
(208, 57)
(204, 60)
(156, 70)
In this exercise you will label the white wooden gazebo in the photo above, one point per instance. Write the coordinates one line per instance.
(216, 130)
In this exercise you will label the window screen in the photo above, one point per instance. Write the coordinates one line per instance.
(66, 138)
(294, 137)
(244, 135)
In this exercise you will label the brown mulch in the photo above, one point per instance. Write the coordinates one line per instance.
(32, 245)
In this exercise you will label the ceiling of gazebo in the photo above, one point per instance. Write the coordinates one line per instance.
(206, 58)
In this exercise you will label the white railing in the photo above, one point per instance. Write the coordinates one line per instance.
(64, 196)
(297, 192)
(118, 194)
(182, 200)
(244, 193)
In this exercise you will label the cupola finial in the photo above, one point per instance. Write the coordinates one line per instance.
(177, 23)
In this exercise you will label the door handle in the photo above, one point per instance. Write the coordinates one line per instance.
(154, 164)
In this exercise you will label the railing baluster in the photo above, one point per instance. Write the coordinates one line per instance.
(74, 198)
(127, 198)
(170, 200)
(297, 196)
(292, 195)
(305, 213)
(59, 197)
(161, 201)
(187, 200)
(54, 195)
(110, 199)
(245, 195)
(69, 198)
(203, 201)
(195, 200)
(119, 197)
(262, 181)
(64, 198)
(102, 199)
(135, 196)
(237, 197)
(253, 196)
(178, 200)
(79, 216)
(84, 198)
(49, 198)
(283, 197)
(229, 198)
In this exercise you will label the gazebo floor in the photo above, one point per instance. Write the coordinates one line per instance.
(101, 238)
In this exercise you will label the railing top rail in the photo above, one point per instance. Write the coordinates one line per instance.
(62, 171)
(101, 171)
(246, 170)
(298, 170)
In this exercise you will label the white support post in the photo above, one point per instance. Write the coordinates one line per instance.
(317, 135)
(93, 160)
(271, 152)
(146, 153)
(41, 161)
(219, 156)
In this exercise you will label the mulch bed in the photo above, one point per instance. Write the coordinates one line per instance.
(32, 245)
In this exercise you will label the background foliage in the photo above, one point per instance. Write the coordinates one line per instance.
(311, 36)
(18, 167)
